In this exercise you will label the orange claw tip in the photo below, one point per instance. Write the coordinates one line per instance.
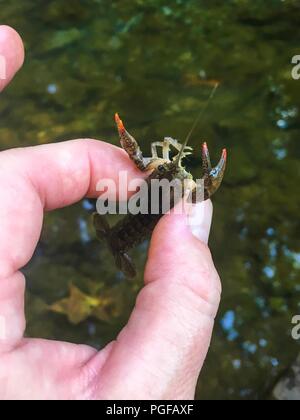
(119, 122)
(224, 153)
(117, 118)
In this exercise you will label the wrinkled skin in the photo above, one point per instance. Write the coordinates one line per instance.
(160, 352)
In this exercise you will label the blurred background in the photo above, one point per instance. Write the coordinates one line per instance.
(155, 62)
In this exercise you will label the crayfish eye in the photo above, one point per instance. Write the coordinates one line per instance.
(160, 168)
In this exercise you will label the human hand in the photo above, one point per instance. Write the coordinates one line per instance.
(160, 352)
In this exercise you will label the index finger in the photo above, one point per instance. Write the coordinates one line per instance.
(44, 178)
(11, 54)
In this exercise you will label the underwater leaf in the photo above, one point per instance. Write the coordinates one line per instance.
(79, 306)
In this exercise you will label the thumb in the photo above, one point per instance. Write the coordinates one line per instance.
(160, 352)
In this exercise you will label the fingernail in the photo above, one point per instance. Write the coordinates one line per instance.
(199, 220)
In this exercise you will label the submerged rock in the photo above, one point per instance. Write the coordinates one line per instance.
(288, 388)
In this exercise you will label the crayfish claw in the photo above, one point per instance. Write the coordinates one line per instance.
(119, 123)
(212, 176)
(218, 171)
(130, 145)
(206, 164)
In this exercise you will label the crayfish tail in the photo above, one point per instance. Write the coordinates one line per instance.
(104, 232)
